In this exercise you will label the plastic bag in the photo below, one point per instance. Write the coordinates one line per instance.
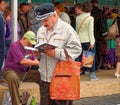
(6, 98)
(87, 59)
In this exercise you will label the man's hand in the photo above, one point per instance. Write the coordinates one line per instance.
(30, 62)
(92, 46)
(37, 62)
(24, 98)
(36, 53)
(50, 52)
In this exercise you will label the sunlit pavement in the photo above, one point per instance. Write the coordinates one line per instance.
(103, 75)
(104, 100)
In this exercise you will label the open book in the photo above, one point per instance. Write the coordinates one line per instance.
(44, 46)
(30, 48)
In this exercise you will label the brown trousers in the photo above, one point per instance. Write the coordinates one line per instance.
(45, 96)
(13, 79)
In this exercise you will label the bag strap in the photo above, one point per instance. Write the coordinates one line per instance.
(66, 54)
(82, 24)
(89, 49)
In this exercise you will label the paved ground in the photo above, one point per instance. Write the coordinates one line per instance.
(104, 100)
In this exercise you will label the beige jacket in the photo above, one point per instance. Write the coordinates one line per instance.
(86, 33)
(64, 37)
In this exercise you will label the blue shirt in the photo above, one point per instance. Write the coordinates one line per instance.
(2, 39)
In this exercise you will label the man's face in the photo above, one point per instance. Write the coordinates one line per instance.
(49, 22)
(27, 43)
(25, 9)
(3, 5)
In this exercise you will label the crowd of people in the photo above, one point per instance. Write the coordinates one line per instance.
(51, 23)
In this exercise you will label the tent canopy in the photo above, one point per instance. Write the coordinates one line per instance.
(101, 2)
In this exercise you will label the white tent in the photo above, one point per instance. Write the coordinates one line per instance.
(14, 17)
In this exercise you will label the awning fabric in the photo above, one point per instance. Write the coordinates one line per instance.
(101, 2)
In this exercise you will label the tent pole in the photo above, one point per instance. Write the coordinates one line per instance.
(14, 20)
(29, 1)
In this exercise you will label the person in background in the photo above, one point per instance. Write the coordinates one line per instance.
(86, 34)
(60, 9)
(27, 18)
(7, 14)
(24, 8)
(78, 9)
(97, 13)
(72, 16)
(56, 32)
(110, 57)
(8, 37)
(2, 34)
(117, 50)
(34, 24)
(114, 14)
(17, 63)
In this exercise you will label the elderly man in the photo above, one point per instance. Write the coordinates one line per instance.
(26, 18)
(56, 32)
(17, 62)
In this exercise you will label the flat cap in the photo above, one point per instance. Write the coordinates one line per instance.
(44, 10)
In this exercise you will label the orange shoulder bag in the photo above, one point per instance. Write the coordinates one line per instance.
(65, 83)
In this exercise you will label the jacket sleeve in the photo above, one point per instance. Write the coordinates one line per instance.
(73, 46)
(91, 30)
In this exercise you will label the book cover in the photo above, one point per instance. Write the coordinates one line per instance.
(44, 46)
(30, 48)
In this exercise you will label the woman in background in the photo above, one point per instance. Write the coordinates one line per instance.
(60, 9)
(85, 30)
(110, 57)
